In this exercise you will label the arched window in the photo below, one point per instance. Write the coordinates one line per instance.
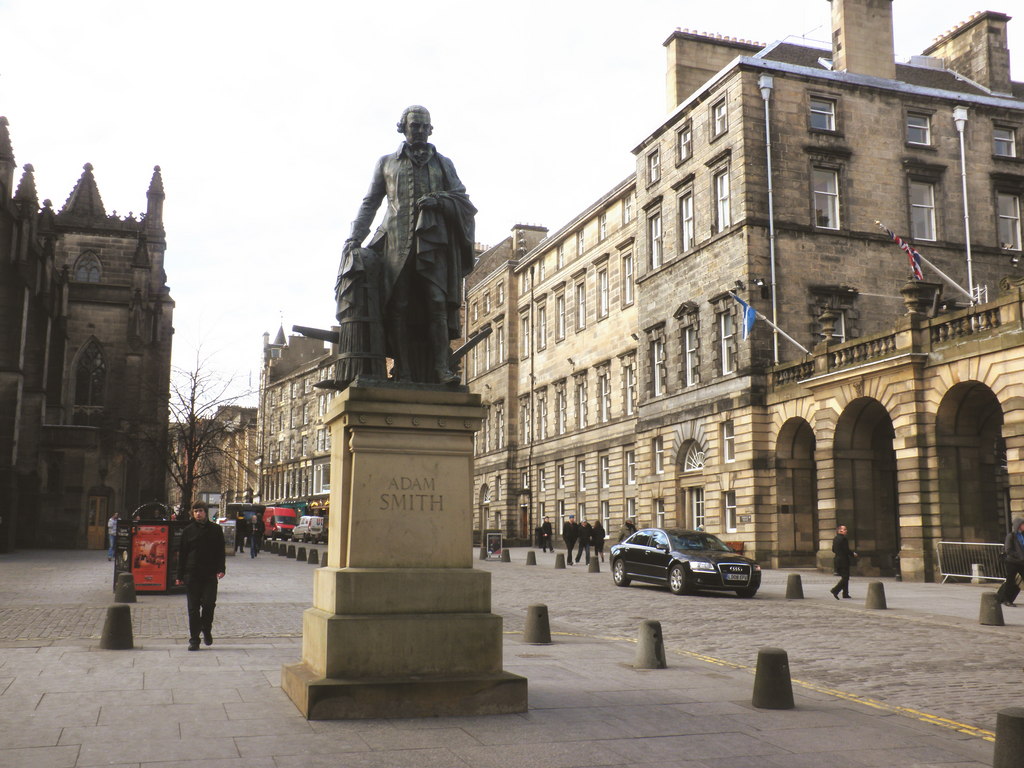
(90, 381)
(694, 459)
(87, 268)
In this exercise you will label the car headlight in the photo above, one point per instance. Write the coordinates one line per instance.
(757, 567)
(702, 565)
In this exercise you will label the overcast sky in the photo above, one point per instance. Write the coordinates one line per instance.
(267, 118)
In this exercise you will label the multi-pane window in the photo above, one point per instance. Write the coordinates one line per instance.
(727, 338)
(542, 416)
(602, 292)
(691, 362)
(581, 306)
(659, 512)
(922, 210)
(686, 231)
(524, 335)
(604, 465)
(87, 269)
(627, 279)
(697, 508)
(501, 288)
(581, 243)
(560, 511)
(560, 256)
(524, 479)
(581, 402)
(730, 511)
(524, 420)
(487, 302)
(560, 317)
(919, 128)
(542, 326)
(627, 209)
(659, 368)
(629, 460)
(653, 166)
(561, 411)
(719, 118)
(658, 455)
(499, 426)
(602, 226)
(606, 514)
(560, 475)
(684, 142)
(1008, 212)
(826, 198)
(728, 441)
(631, 508)
(499, 335)
(487, 430)
(823, 114)
(654, 242)
(1004, 142)
(581, 474)
(629, 379)
(723, 211)
(604, 393)
(542, 479)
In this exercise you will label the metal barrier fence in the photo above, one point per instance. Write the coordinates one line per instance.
(968, 560)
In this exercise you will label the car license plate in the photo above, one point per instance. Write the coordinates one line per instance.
(736, 576)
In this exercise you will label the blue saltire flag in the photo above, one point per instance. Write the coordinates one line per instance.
(749, 316)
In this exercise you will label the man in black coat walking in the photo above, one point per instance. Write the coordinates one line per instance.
(570, 532)
(843, 561)
(200, 567)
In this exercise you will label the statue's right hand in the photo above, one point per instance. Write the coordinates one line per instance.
(350, 244)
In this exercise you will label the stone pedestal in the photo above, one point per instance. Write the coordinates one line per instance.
(401, 623)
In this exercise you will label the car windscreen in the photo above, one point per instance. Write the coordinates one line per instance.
(698, 541)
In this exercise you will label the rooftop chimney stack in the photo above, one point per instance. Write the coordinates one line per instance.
(862, 37)
(977, 49)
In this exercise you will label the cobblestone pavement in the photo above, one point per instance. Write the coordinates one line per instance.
(927, 652)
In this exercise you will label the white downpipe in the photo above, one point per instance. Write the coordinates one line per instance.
(765, 83)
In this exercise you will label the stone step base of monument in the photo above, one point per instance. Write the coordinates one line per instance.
(324, 698)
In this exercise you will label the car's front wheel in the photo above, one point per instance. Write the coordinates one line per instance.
(677, 580)
(746, 592)
(619, 573)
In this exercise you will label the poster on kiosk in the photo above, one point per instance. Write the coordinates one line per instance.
(147, 547)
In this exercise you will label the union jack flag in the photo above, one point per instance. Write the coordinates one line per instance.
(912, 255)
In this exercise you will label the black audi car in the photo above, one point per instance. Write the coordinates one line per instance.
(685, 561)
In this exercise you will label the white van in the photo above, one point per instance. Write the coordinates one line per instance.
(310, 528)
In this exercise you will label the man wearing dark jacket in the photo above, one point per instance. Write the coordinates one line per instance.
(570, 532)
(843, 561)
(200, 567)
(1013, 552)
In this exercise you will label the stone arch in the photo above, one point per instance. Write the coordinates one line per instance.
(972, 477)
(797, 494)
(88, 268)
(690, 505)
(865, 483)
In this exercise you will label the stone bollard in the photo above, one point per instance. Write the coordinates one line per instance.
(876, 596)
(124, 591)
(991, 610)
(650, 647)
(531, 558)
(1009, 738)
(794, 587)
(291, 551)
(314, 557)
(117, 629)
(282, 550)
(772, 687)
(323, 559)
(300, 555)
(594, 566)
(483, 553)
(538, 630)
(270, 546)
(506, 556)
(559, 560)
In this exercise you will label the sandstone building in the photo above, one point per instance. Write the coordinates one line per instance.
(624, 385)
(85, 348)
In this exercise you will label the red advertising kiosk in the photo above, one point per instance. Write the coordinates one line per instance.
(147, 547)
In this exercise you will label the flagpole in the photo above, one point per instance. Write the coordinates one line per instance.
(935, 269)
(774, 326)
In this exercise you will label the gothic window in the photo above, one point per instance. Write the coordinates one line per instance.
(87, 268)
(90, 382)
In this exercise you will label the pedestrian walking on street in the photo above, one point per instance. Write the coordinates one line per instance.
(1013, 560)
(111, 535)
(843, 560)
(584, 541)
(627, 529)
(200, 567)
(570, 532)
(597, 537)
(547, 536)
(242, 530)
(256, 536)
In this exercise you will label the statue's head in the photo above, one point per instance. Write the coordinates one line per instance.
(415, 124)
